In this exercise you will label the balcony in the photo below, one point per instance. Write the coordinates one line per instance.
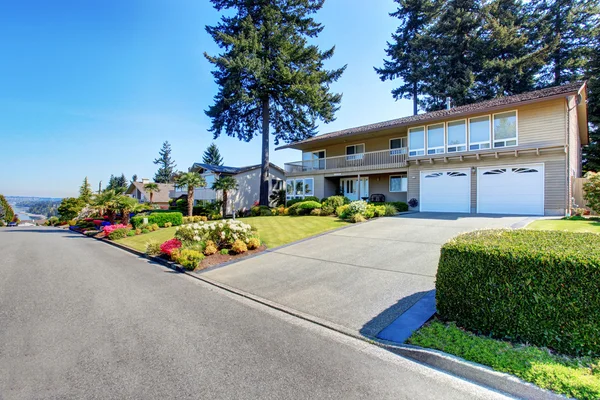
(382, 159)
(205, 194)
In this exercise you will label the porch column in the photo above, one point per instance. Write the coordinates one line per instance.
(358, 187)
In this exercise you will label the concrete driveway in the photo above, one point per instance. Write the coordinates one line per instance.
(362, 277)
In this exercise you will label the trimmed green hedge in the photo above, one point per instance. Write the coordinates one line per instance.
(400, 205)
(160, 218)
(541, 287)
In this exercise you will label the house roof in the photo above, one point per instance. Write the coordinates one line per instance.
(162, 196)
(488, 105)
(230, 170)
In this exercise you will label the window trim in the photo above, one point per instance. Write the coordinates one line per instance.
(353, 156)
(443, 147)
(479, 143)
(390, 183)
(424, 141)
(405, 138)
(516, 111)
(466, 143)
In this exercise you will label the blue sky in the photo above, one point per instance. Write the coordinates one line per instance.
(93, 87)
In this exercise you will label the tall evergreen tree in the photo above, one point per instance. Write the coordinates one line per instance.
(117, 183)
(408, 55)
(85, 192)
(591, 152)
(212, 156)
(511, 54)
(9, 213)
(567, 27)
(166, 169)
(269, 75)
(134, 178)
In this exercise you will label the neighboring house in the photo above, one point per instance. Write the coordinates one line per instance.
(160, 198)
(248, 179)
(511, 155)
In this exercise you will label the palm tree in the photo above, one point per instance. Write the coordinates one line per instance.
(128, 205)
(225, 183)
(151, 188)
(106, 202)
(192, 180)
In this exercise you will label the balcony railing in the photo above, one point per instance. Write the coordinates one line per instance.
(199, 193)
(382, 159)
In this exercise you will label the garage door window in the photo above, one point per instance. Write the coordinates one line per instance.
(457, 136)
(479, 133)
(416, 141)
(435, 139)
(505, 129)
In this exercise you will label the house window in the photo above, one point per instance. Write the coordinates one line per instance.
(505, 129)
(397, 146)
(299, 188)
(416, 141)
(479, 133)
(398, 183)
(210, 179)
(435, 139)
(313, 160)
(457, 136)
(355, 152)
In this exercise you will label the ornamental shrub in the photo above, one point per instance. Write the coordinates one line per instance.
(262, 211)
(119, 233)
(222, 233)
(369, 212)
(303, 208)
(239, 247)
(357, 207)
(168, 224)
(111, 228)
(592, 191)
(390, 210)
(327, 210)
(316, 212)
(225, 252)
(291, 202)
(138, 231)
(130, 233)
(539, 287)
(341, 211)
(253, 243)
(354, 218)
(159, 218)
(145, 230)
(153, 248)
(189, 259)
(169, 246)
(210, 248)
(336, 201)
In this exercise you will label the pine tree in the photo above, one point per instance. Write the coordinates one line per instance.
(212, 156)
(117, 183)
(591, 153)
(509, 46)
(269, 75)
(9, 213)
(166, 170)
(134, 178)
(407, 52)
(85, 192)
(568, 27)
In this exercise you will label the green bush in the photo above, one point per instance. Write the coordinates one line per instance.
(399, 205)
(291, 202)
(389, 210)
(354, 218)
(327, 210)
(130, 233)
(225, 252)
(316, 212)
(153, 248)
(145, 230)
(341, 211)
(118, 234)
(592, 191)
(159, 218)
(303, 208)
(189, 259)
(260, 211)
(539, 287)
(335, 201)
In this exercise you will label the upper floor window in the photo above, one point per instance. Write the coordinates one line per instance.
(210, 179)
(313, 160)
(416, 141)
(397, 146)
(479, 133)
(457, 136)
(355, 152)
(435, 139)
(505, 129)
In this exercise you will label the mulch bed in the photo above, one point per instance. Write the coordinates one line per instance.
(219, 258)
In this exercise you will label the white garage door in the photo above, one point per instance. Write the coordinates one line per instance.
(511, 190)
(446, 191)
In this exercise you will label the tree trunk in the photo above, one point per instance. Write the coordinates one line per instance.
(190, 201)
(111, 216)
(415, 99)
(264, 172)
(125, 217)
(151, 197)
(224, 203)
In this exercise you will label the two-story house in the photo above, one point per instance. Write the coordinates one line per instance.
(247, 178)
(510, 155)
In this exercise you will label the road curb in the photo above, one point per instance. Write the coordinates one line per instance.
(436, 359)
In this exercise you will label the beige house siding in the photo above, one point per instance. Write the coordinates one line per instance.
(555, 180)
(248, 188)
(380, 184)
(376, 142)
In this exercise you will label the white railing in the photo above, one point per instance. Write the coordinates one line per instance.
(199, 194)
(393, 158)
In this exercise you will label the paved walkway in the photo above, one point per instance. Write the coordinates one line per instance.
(362, 277)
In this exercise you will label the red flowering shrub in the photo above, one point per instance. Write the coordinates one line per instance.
(110, 228)
(98, 222)
(169, 246)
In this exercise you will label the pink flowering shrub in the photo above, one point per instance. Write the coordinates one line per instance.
(169, 246)
(98, 222)
(110, 228)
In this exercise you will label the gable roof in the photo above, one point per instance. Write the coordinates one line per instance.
(488, 105)
(230, 170)
(162, 196)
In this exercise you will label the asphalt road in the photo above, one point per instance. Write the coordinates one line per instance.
(81, 319)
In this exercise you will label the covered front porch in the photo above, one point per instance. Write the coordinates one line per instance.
(369, 187)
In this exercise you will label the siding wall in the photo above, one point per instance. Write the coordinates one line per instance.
(382, 186)
(248, 188)
(555, 180)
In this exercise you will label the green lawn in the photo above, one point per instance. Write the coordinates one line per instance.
(273, 231)
(574, 377)
(565, 225)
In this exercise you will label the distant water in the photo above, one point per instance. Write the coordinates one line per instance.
(24, 215)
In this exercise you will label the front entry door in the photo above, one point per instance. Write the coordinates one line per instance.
(350, 188)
